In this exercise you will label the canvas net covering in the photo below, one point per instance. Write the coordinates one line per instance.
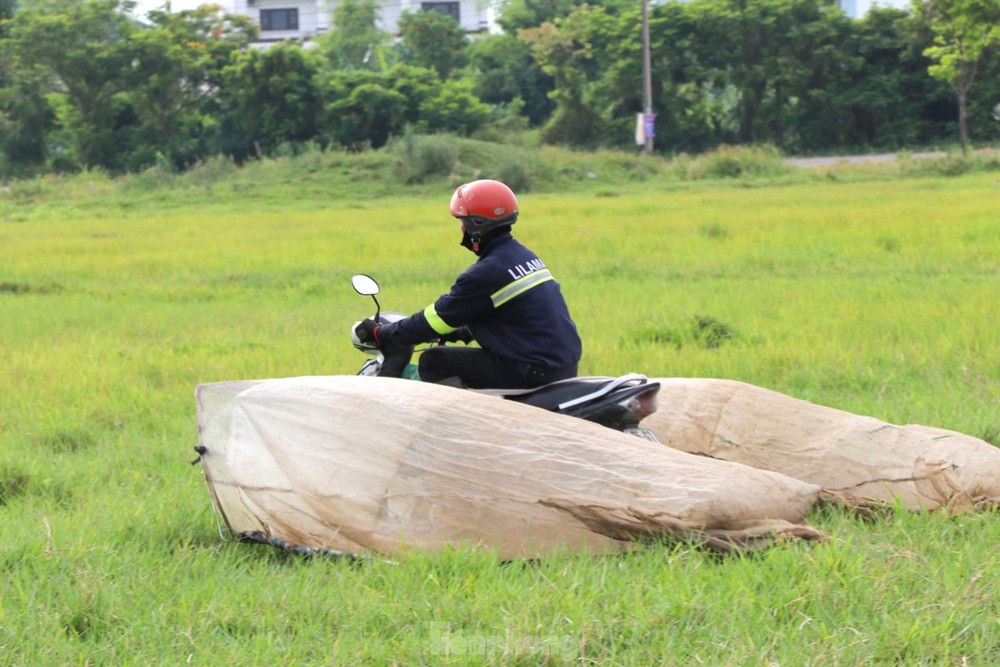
(358, 464)
(859, 461)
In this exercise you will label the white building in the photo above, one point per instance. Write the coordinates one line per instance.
(856, 9)
(305, 19)
(285, 19)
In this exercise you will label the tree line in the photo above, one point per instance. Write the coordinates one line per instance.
(84, 84)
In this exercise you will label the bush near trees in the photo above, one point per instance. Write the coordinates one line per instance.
(83, 85)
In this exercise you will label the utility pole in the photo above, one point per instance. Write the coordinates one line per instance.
(647, 82)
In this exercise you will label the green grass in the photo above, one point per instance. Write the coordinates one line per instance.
(873, 292)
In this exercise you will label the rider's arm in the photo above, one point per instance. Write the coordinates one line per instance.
(410, 330)
(468, 301)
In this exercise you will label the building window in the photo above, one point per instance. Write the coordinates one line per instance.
(449, 8)
(279, 19)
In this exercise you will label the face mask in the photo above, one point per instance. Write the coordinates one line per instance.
(467, 242)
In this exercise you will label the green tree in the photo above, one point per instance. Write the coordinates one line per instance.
(272, 97)
(364, 114)
(78, 50)
(886, 99)
(524, 14)
(363, 109)
(816, 79)
(176, 70)
(984, 104)
(416, 85)
(966, 32)
(355, 40)
(453, 108)
(26, 119)
(765, 55)
(434, 40)
(6, 12)
(25, 116)
(686, 112)
(564, 51)
(803, 107)
(504, 73)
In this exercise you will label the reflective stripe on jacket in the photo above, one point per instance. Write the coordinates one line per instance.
(511, 304)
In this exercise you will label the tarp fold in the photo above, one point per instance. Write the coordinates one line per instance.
(859, 461)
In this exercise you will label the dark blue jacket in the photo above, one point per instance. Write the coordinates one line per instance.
(511, 304)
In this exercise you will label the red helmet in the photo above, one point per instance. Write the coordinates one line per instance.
(484, 205)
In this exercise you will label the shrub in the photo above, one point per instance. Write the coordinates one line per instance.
(420, 157)
(702, 331)
(515, 174)
(736, 162)
(13, 483)
(952, 164)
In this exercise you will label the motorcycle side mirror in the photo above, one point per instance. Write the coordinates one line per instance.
(364, 285)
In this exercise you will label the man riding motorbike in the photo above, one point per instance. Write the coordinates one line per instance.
(507, 302)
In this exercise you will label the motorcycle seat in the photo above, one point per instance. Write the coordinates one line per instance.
(565, 394)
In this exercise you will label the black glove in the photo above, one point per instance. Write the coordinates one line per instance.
(459, 335)
(367, 331)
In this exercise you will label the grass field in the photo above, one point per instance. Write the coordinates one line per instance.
(873, 295)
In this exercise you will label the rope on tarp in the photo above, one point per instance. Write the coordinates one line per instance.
(201, 449)
(259, 537)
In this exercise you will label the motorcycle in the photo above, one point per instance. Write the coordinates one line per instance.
(619, 403)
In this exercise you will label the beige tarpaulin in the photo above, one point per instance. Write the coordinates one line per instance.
(359, 464)
(857, 460)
